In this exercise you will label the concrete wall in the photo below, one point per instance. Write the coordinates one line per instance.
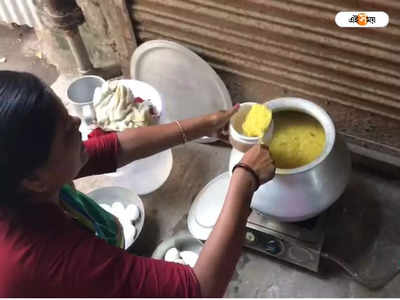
(95, 33)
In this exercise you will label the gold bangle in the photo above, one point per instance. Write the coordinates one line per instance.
(184, 137)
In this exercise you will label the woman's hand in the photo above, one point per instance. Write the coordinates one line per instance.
(259, 159)
(218, 123)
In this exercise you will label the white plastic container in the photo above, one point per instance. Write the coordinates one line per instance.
(240, 141)
(147, 174)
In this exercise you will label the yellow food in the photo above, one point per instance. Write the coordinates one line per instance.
(257, 121)
(298, 139)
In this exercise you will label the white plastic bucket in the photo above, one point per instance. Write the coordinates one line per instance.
(240, 141)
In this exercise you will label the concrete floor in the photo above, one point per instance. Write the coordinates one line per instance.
(363, 226)
(20, 47)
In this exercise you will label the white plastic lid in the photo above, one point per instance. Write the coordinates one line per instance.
(207, 206)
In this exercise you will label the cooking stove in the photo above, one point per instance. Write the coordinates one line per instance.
(299, 243)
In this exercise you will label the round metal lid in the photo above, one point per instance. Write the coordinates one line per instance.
(207, 206)
(189, 87)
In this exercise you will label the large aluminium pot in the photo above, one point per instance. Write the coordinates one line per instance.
(302, 193)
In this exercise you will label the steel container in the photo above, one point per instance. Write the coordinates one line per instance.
(302, 193)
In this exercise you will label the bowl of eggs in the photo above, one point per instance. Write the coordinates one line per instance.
(182, 248)
(124, 204)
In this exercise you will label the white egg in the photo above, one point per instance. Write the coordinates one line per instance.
(172, 254)
(189, 257)
(124, 220)
(179, 261)
(124, 217)
(133, 212)
(106, 207)
(129, 233)
(118, 209)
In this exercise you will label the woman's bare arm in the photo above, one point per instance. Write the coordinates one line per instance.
(217, 261)
(144, 141)
(216, 264)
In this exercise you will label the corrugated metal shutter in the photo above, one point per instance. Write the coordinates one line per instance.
(21, 12)
(294, 47)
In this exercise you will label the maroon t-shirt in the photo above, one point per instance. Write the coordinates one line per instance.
(45, 253)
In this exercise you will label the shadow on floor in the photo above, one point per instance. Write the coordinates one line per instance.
(353, 223)
(363, 227)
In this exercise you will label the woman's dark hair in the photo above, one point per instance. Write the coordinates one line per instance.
(28, 115)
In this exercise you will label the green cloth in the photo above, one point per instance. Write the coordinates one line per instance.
(91, 215)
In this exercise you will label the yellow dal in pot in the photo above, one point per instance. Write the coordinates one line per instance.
(298, 139)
